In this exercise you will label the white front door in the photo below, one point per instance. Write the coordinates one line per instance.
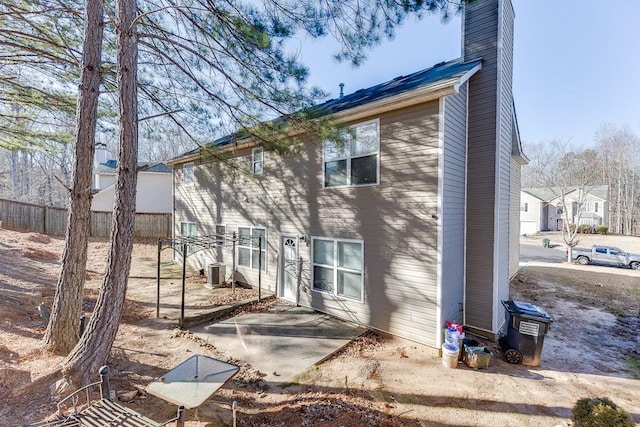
(289, 245)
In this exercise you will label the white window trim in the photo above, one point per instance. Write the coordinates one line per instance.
(195, 230)
(221, 243)
(589, 207)
(349, 157)
(188, 173)
(251, 248)
(189, 223)
(336, 268)
(254, 161)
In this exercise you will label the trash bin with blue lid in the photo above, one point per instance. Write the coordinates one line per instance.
(527, 325)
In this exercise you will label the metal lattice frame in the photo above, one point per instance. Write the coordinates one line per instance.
(189, 245)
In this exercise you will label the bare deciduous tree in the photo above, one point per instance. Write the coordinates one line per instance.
(570, 177)
(620, 160)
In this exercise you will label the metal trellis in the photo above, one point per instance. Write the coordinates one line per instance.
(189, 245)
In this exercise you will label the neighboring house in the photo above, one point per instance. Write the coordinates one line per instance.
(153, 191)
(414, 223)
(541, 209)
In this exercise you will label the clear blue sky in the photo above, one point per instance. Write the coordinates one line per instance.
(576, 65)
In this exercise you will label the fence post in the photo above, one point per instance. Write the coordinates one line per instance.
(259, 268)
(104, 379)
(233, 272)
(184, 283)
(158, 284)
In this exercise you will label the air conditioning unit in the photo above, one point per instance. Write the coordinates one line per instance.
(215, 275)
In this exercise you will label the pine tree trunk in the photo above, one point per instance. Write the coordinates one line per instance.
(93, 349)
(63, 329)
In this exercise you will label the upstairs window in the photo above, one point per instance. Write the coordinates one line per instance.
(589, 207)
(559, 209)
(524, 207)
(188, 174)
(355, 161)
(257, 161)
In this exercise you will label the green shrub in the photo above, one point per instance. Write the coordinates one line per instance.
(602, 229)
(599, 412)
(585, 229)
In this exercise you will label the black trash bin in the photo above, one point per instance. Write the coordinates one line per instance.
(527, 325)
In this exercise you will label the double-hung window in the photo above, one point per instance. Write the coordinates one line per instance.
(589, 207)
(355, 160)
(188, 229)
(257, 161)
(252, 247)
(338, 266)
(221, 230)
(188, 173)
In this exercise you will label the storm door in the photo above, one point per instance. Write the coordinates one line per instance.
(289, 245)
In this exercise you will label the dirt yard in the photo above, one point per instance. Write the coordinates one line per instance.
(592, 350)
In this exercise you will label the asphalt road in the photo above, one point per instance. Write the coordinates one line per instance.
(537, 253)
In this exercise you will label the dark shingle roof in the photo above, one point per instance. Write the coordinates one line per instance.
(157, 168)
(443, 71)
(110, 167)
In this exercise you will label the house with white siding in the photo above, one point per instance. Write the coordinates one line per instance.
(541, 209)
(413, 222)
(153, 190)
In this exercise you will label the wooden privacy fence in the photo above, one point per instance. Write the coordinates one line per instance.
(49, 220)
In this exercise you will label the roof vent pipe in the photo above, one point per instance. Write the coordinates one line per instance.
(341, 90)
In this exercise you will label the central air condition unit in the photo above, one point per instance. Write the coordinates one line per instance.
(215, 275)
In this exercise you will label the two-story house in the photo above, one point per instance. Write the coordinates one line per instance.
(543, 209)
(412, 223)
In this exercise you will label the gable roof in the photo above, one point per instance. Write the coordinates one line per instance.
(453, 71)
(547, 194)
(109, 167)
(544, 194)
(600, 191)
(443, 75)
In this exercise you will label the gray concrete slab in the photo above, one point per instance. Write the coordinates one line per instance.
(281, 342)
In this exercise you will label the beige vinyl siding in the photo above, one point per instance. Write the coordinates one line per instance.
(393, 219)
(488, 31)
(514, 236)
(453, 205)
(480, 29)
(505, 141)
